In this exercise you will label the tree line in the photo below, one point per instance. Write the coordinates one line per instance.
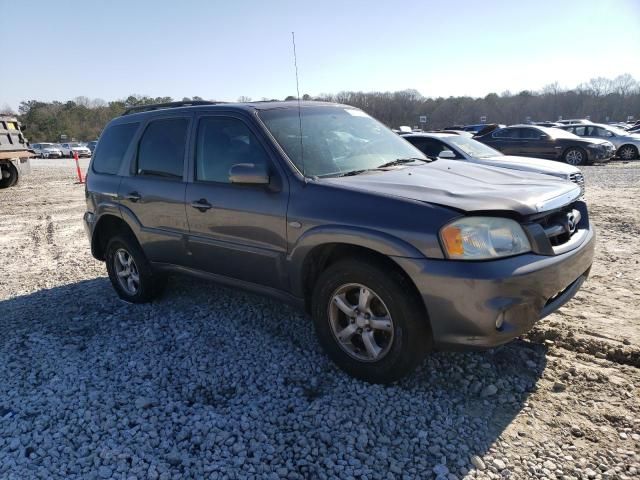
(601, 99)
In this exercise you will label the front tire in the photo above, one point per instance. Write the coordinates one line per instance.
(575, 156)
(130, 272)
(369, 321)
(628, 152)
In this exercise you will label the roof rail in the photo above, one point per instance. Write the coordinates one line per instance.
(158, 106)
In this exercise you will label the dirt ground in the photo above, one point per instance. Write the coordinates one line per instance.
(585, 404)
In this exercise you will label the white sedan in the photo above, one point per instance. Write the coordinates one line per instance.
(68, 149)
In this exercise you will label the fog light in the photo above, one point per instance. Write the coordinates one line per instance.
(499, 321)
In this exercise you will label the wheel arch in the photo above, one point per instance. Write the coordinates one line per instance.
(318, 251)
(107, 226)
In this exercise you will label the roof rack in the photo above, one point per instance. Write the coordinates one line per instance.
(158, 106)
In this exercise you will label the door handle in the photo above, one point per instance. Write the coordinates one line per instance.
(133, 196)
(201, 205)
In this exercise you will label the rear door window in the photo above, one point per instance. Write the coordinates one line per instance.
(162, 147)
(114, 142)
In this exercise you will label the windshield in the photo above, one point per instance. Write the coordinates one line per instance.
(336, 140)
(75, 145)
(471, 147)
(46, 145)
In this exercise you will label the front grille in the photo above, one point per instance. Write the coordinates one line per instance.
(578, 179)
(562, 224)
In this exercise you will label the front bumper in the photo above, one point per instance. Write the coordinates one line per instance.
(464, 300)
(600, 154)
(82, 154)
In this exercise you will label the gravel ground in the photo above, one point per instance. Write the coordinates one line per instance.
(210, 382)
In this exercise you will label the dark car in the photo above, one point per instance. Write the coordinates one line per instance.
(92, 145)
(320, 205)
(549, 143)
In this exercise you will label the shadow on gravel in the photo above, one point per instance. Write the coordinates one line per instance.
(210, 381)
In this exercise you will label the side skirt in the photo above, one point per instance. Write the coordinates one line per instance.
(232, 282)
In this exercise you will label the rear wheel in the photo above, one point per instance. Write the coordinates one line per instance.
(130, 272)
(8, 175)
(369, 321)
(628, 152)
(575, 156)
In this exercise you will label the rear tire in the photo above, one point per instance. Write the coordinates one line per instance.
(12, 178)
(575, 156)
(627, 152)
(130, 272)
(398, 331)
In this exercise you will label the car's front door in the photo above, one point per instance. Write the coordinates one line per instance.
(536, 143)
(505, 139)
(236, 230)
(153, 194)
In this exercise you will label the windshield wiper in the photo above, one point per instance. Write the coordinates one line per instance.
(401, 161)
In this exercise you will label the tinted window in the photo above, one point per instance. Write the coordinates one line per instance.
(224, 142)
(581, 131)
(113, 145)
(428, 146)
(161, 149)
(505, 133)
(529, 134)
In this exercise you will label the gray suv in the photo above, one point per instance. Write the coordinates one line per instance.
(393, 253)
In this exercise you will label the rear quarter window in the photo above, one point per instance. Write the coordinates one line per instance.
(112, 146)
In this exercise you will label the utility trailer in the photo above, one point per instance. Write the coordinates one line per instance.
(15, 152)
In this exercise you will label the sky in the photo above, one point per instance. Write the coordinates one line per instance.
(222, 49)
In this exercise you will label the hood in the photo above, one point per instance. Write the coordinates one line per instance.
(51, 149)
(467, 186)
(595, 141)
(528, 164)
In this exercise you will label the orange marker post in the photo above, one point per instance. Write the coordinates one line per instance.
(75, 157)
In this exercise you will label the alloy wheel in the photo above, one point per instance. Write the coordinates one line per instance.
(574, 157)
(361, 322)
(627, 153)
(126, 271)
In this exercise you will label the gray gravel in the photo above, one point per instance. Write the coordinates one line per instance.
(210, 382)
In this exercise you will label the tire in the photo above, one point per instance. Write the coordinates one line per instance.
(12, 179)
(401, 349)
(575, 156)
(149, 284)
(627, 152)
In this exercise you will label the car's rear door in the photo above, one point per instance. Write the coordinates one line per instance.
(153, 192)
(236, 231)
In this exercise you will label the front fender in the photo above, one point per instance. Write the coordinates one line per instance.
(338, 234)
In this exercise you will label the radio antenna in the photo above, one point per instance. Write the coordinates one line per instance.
(295, 63)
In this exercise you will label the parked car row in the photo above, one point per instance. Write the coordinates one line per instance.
(60, 150)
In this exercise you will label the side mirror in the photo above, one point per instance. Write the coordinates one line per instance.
(543, 136)
(447, 154)
(249, 174)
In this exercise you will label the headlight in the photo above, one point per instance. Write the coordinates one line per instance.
(481, 238)
(595, 146)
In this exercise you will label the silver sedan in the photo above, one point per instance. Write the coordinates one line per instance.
(627, 144)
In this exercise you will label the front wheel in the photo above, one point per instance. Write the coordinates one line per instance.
(628, 152)
(575, 156)
(369, 321)
(129, 271)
